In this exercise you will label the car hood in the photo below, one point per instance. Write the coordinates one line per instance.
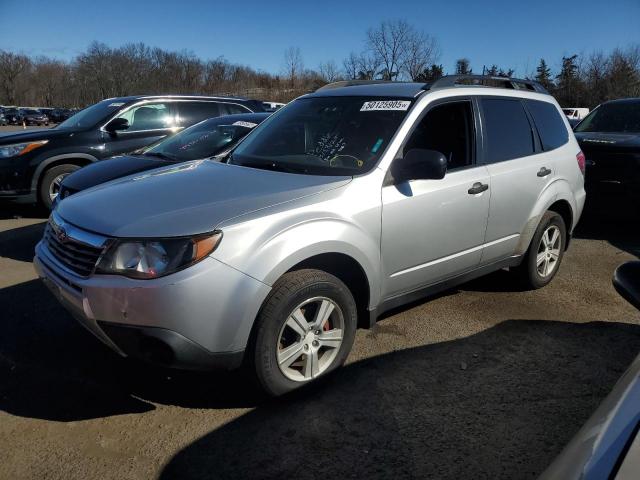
(111, 169)
(185, 199)
(603, 139)
(34, 135)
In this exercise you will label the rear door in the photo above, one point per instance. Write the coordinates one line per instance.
(193, 112)
(519, 173)
(149, 122)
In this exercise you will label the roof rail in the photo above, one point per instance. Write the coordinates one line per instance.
(351, 83)
(486, 81)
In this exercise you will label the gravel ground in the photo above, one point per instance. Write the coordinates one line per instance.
(484, 381)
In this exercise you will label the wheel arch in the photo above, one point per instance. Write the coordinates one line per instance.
(349, 271)
(80, 159)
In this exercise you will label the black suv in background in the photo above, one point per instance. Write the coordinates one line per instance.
(610, 140)
(33, 163)
(14, 116)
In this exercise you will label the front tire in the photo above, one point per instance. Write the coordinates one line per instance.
(304, 331)
(542, 261)
(51, 181)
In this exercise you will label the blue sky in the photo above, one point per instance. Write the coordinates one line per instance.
(256, 33)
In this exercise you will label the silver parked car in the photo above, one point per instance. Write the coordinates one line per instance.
(343, 204)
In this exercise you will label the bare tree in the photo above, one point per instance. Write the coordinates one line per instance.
(329, 71)
(420, 51)
(11, 67)
(388, 43)
(350, 66)
(293, 65)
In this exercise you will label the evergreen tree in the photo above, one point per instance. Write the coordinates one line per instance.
(543, 75)
(463, 67)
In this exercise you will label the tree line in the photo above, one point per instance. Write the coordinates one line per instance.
(392, 50)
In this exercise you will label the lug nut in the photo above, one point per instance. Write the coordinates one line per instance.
(315, 343)
(306, 347)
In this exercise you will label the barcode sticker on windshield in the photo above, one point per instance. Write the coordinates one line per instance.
(240, 123)
(385, 105)
(116, 104)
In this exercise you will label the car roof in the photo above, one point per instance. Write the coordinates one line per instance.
(134, 98)
(623, 100)
(383, 89)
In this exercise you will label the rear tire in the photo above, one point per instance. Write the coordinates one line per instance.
(51, 180)
(545, 253)
(304, 331)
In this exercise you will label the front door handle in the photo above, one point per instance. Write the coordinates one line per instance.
(478, 188)
(543, 172)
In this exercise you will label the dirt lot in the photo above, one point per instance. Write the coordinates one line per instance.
(482, 382)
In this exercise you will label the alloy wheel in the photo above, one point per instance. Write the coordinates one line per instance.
(310, 339)
(549, 251)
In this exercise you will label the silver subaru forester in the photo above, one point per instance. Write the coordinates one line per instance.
(345, 203)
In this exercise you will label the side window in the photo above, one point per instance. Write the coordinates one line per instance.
(194, 112)
(149, 116)
(232, 109)
(448, 129)
(552, 130)
(508, 133)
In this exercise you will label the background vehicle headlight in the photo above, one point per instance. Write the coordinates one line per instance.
(152, 258)
(17, 149)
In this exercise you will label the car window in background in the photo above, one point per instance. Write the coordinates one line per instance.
(324, 136)
(508, 131)
(232, 109)
(551, 127)
(90, 116)
(623, 117)
(205, 139)
(194, 112)
(149, 116)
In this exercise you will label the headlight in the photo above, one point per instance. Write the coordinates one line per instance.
(19, 148)
(152, 258)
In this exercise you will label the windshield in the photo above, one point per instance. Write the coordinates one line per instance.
(204, 139)
(92, 115)
(613, 117)
(324, 136)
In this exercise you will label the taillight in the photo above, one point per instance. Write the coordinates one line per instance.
(582, 160)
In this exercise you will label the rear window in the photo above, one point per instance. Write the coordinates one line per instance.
(508, 131)
(551, 127)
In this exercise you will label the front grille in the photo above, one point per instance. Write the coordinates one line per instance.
(74, 255)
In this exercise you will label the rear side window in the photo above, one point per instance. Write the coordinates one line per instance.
(553, 132)
(232, 109)
(508, 133)
(194, 112)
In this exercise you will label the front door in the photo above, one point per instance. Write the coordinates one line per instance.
(148, 123)
(434, 229)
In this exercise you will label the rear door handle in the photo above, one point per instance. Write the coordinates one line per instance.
(477, 188)
(543, 172)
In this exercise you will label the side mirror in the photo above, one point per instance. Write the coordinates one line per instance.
(626, 280)
(117, 124)
(419, 164)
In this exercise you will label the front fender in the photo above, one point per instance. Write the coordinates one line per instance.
(265, 250)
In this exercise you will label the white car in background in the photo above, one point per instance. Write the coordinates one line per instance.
(575, 113)
(272, 106)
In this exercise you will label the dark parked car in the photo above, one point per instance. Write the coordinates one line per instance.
(610, 139)
(32, 164)
(60, 115)
(608, 445)
(209, 138)
(34, 117)
(14, 117)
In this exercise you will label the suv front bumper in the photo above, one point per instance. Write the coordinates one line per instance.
(198, 318)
